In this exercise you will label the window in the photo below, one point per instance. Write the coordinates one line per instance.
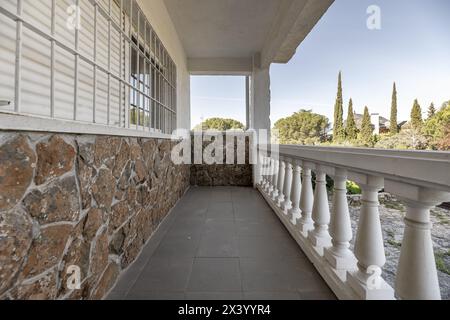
(112, 70)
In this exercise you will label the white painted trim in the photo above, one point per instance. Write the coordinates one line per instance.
(10, 121)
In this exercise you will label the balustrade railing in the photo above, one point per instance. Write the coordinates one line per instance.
(420, 179)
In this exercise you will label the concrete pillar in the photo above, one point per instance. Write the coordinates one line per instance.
(259, 106)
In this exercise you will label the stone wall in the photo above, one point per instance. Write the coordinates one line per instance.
(79, 200)
(223, 174)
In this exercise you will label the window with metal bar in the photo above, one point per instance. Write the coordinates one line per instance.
(97, 61)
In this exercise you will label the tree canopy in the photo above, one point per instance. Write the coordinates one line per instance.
(350, 130)
(393, 127)
(416, 116)
(437, 128)
(219, 124)
(338, 125)
(303, 127)
(366, 134)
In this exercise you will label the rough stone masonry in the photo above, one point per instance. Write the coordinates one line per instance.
(89, 201)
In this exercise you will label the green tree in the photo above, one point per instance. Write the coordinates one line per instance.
(219, 124)
(366, 134)
(437, 128)
(407, 138)
(431, 111)
(393, 128)
(416, 116)
(303, 127)
(338, 129)
(351, 131)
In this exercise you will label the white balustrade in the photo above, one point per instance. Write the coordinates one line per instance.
(280, 167)
(416, 273)
(295, 213)
(271, 174)
(281, 175)
(339, 255)
(369, 245)
(307, 199)
(421, 180)
(274, 193)
(264, 172)
(268, 174)
(287, 203)
(319, 236)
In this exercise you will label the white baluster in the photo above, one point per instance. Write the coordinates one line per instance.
(369, 245)
(287, 203)
(272, 171)
(269, 174)
(306, 203)
(416, 273)
(274, 193)
(319, 236)
(281, 174)
(339, 255)
(295, 213)
(264, 172)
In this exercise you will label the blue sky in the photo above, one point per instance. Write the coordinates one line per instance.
(412, 48)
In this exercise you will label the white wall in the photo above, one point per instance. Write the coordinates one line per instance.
(159, 18)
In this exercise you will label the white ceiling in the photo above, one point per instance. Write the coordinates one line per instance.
(223, 28)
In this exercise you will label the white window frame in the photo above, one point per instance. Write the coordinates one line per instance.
(155, 88)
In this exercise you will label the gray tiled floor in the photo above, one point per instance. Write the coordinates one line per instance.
(221, 243)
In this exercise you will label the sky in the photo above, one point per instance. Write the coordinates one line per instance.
(412, 48)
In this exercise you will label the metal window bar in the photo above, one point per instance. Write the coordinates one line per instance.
(160, 76)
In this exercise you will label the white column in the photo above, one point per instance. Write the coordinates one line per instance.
(295, 213)
(259, 113)
(274, 193)
(339, 255)
(287, 203)
(319, 236)
(307, 199)
(416, 273)
(281, 174)
(369, 246)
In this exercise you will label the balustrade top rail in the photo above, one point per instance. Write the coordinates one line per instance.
(421, 168)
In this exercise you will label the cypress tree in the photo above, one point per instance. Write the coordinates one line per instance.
(393, 128)
(338, 130)
(351, 131)
(431, 110)
(416, 116)
(366, 128)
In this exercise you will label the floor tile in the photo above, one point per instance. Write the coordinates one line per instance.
(215, 274)
(273, 275)
(266, 246)
(178, 246)
(220, 210)
(218, 245)
(164, 274)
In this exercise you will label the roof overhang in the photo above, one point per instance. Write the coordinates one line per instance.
(231, 36)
